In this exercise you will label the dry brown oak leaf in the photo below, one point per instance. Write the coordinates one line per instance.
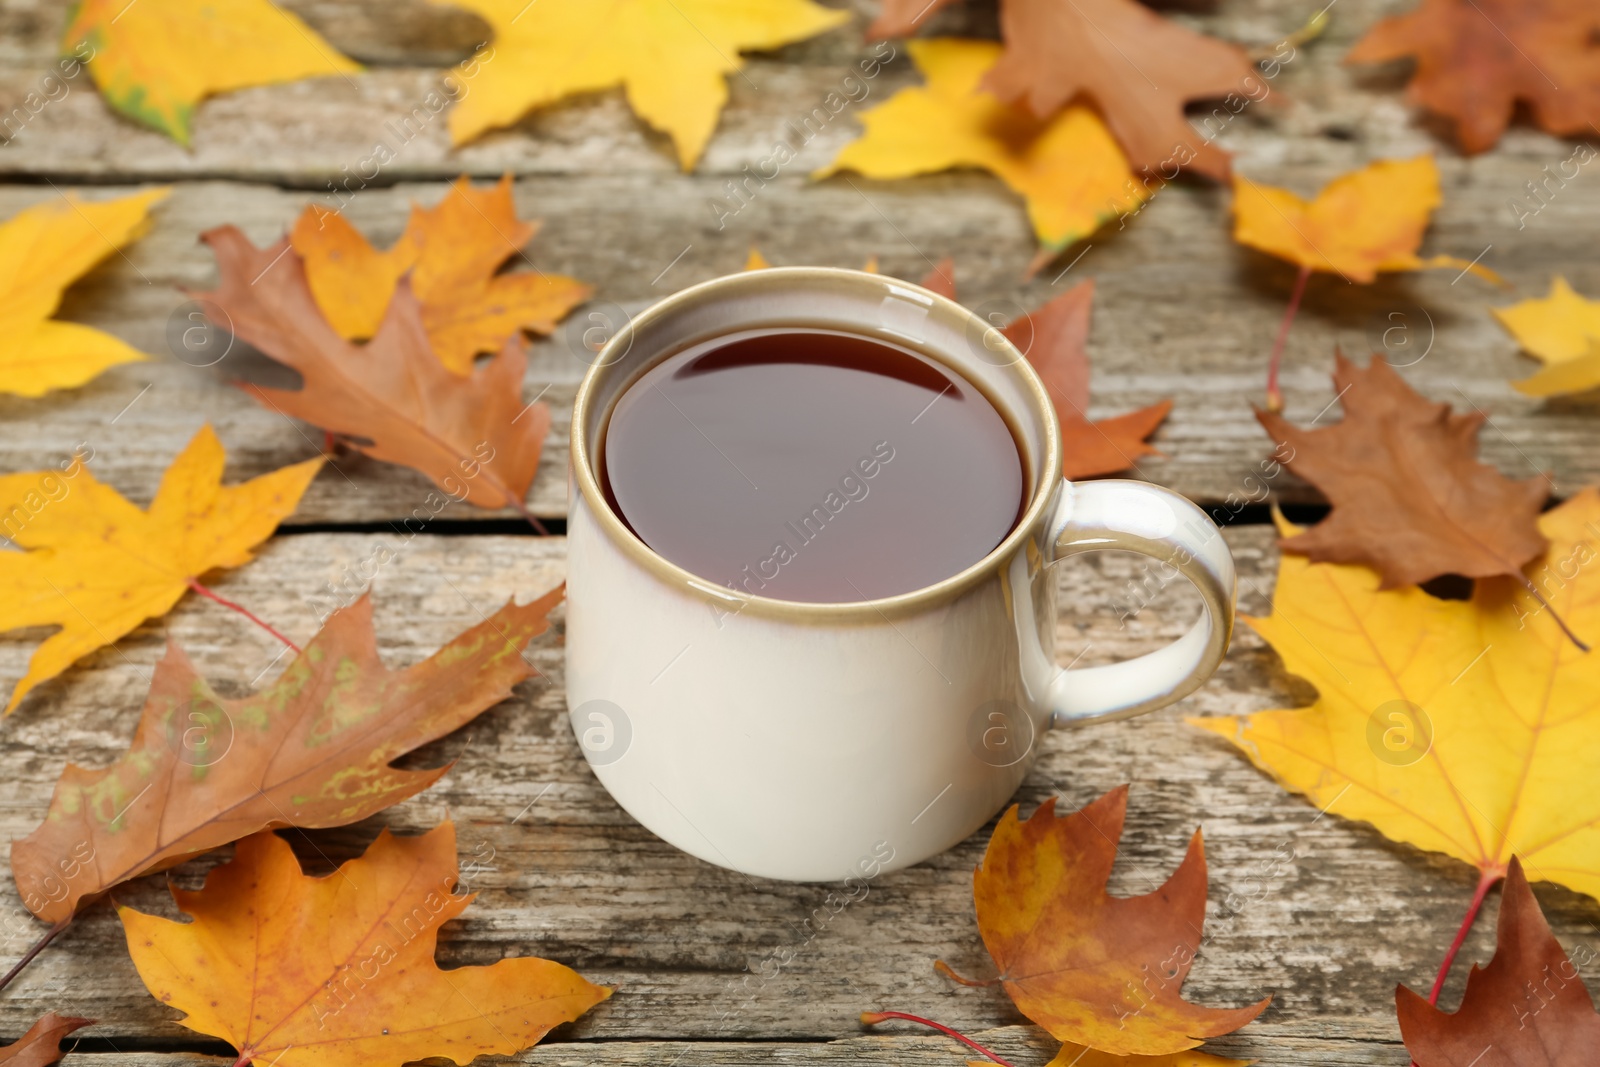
(1091, 968)
(1475, 59)
(1527, 1008)
(1410, 498)
(391, 398)
(313, 749)
(41, 1045)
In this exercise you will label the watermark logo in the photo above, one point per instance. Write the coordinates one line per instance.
(603, 729)
(590, 331)
(1000, 733)
(199, 333)
(200, 732)
(1399, 733)
(986, 331)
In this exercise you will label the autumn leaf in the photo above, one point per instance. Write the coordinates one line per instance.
(1476, 59)
(1365, 222)
(41, 1045)
(1410, 498)
(1137, 68)
(1361, 223)
(1528, 1008)
(1079, 961)
(43, 250)
(1053, 339)
(390, 398)
(97, 565)
(1462, 727)
(452, 251)
(338, 971)
(155, 60)
(1067, 168)
(1563, 331)
(313, 749)
(672, 58)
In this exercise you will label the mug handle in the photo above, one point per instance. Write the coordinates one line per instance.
(1131, 516)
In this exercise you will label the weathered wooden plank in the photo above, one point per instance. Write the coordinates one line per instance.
(1022, 1045)
(1181, 312)
(1323, 913)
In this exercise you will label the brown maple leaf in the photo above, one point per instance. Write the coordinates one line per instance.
(313, 749)
(1053, 339)
(1527, 1008)
(391, 398)
(41, 1045)
(1091, 968)
(1477, 58)
(1410, 498)
(1137, 68)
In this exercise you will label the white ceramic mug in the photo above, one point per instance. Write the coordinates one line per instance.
(817, 742)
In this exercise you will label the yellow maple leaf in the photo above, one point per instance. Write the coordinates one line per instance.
(1361, 223)
(339, 971)
(155, 60)
(452, 250)
(671, 57)
(97, 565)
(1563, 331)
(1463, 727)
(44, 249)
(1068, 169)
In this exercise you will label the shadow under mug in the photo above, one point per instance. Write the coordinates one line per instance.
(818, 742)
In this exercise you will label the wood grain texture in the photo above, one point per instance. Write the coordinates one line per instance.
(1323, 913)
(712, 967)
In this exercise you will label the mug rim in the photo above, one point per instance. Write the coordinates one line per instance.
(1040, 498)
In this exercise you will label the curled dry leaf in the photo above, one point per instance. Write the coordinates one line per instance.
(1067, 168)
(671, 56)
(1476, 59)
(1561, 330)
(1462, 727)
(1410, 498)
(155, 62)
(452, 252)
(41, 1045)
(338, 971)
(97, 565)
(1091, 968)
(43, 250)
(313, 749)
(391, 398)
(1053, 339)
(1528, 1008)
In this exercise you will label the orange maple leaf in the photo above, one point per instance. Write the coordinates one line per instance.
(452, 251)
(1091, 968)
(338, 971)
(41, 1045)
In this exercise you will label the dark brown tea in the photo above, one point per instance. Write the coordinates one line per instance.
(813, 466)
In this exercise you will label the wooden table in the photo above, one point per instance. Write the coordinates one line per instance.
(1327, 915)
